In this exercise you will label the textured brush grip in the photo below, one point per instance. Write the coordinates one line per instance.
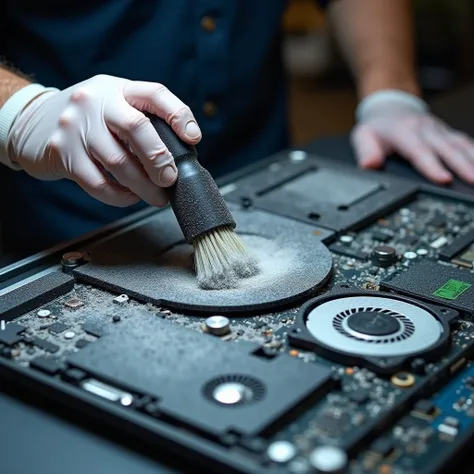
(175, 145)
(195, 198)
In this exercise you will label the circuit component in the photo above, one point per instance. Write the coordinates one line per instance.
(436, 283)
(382, 236)
(328, 459)
(439, 242)
(45, 345)
(121, 299)
(346, 251)
(57, 328)
(10, 334)
(384, 256)
(460, 252)
(81, 343)
(425, 408)
(73, 303)
(465, 258)
(281, 451)
(217, 325)
(383, 447)
(45, 364)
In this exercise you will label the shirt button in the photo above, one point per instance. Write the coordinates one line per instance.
(208, 23)
(210, 109)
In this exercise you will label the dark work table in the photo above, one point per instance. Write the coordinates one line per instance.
(33, 440)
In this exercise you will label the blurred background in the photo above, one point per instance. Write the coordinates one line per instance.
(322, 92)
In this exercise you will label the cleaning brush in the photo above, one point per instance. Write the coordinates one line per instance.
(220, 256)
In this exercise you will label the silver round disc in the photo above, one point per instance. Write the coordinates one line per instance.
(328, 459)
(217, 324)
(231, 393)
(126, 400)
(346, 239)
(281, 451)
(418, 329)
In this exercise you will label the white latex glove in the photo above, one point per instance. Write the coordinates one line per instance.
(94, 128)
(394, 121)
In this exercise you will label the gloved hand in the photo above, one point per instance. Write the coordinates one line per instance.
(94, 130)
(394, 121)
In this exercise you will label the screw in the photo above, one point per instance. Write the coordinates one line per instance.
(71, 260)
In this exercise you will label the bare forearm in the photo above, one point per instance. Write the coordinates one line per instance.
(376, 37)
(10, 83)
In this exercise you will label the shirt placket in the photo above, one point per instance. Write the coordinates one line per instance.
(214, 19)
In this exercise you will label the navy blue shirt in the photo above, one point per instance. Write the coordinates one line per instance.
(221, 57)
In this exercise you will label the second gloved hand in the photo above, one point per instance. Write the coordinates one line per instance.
(396, 122)
(96, 129)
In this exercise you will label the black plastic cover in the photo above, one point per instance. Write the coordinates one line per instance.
(154, 357)
(34, 294)
(322, 192)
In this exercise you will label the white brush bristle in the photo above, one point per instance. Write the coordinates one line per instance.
(221, 258)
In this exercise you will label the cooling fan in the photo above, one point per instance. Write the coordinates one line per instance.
(380, 331)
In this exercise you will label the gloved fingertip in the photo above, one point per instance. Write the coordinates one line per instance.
(192, 131)
(444, 177)
(470, 177)
(371, 161)
(168, 175)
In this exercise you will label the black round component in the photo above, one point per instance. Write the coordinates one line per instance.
(418, 366)
(71, 260)
(404, 376)
(6, 352)
(341, 326)
(384, 256)
(246, 202)
(373, 324)
(116, 318)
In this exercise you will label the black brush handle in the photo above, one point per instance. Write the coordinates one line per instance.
(194, 197)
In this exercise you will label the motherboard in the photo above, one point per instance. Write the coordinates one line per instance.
(350, 352)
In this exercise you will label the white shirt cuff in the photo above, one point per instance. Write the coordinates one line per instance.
(387, 96)
(10, 111)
